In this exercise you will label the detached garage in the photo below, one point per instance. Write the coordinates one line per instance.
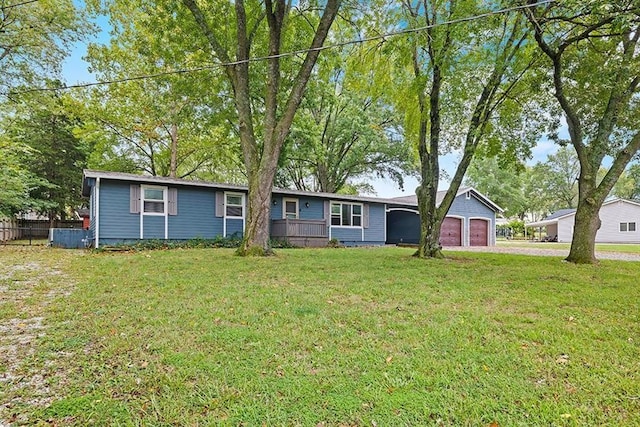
(471, 220)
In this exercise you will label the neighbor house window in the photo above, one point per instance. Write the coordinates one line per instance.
(346, 214)
(627, 226)
(234, 205)
(153, 200)
(290, 208)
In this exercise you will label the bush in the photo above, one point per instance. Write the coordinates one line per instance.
(198, 242)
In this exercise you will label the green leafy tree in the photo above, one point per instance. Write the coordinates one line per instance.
(52, 155)
(628, 186)
(344, 132)
(17, 181)
(558, 177)
(460, 92)
(593, 56)
(162, 125)
(264, 95)
(504, 185)
(35, 36)
(229, 32)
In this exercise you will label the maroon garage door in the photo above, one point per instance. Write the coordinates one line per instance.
(478, 232)
(451, 232)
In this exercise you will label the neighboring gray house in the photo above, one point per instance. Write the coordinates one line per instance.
(620, 221)
(471, 220)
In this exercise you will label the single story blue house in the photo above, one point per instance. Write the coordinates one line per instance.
(124, 208)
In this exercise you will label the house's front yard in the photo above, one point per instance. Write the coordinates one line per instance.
(316, 337)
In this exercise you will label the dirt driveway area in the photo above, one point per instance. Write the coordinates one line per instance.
(28, 284)
(542, 251)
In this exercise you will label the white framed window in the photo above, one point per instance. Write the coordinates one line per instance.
(153, 200)
(234, 205)
(346, 214)
(290, 208)
(627, 227)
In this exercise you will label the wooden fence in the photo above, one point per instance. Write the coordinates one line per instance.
(26, 229)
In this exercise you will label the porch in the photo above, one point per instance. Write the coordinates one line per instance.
(301, 232)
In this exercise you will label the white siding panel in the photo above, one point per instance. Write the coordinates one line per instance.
(565, 228)
(612, 215)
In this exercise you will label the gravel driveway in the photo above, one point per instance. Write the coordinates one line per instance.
(540, 251)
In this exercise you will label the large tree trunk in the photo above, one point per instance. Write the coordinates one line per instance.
(256, 233)
(429, 246)
(586, 226)
(279, 108)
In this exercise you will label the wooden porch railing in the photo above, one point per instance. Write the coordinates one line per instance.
(298, 228)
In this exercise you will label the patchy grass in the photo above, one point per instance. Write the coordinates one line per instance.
(332, 337)
(600, 247)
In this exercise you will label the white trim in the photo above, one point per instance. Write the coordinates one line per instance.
(97, 219)
(331, 202)
(165, 213)
(384, 222)
(244, 210)
(635, 226)
(284, 206)
(488, 220)
(164, 199)
(402, 209)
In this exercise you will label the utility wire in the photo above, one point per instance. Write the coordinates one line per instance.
(10, 6)
(282, 55)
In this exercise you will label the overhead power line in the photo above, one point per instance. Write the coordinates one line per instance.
(285, 54)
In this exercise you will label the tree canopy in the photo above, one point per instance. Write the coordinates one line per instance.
(592, 53)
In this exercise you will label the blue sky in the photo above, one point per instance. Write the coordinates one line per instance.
(75, 70)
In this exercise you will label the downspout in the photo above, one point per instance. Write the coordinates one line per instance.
(97, 233)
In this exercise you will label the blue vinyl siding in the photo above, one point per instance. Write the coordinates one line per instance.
(347, 234)
(373, 235)
(153, 227)
(196, 215)
(470, 208)
(276, 210)
(115, 220)
(375, 232)
(314, 211)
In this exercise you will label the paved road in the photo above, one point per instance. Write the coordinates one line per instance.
(541, 251)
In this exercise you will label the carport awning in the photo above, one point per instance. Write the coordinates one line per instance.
(542, 223)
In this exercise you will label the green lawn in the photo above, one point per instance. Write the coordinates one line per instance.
(600, 247)
(326, 337)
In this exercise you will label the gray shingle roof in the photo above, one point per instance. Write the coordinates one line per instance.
(559, 214)
(120, 176)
